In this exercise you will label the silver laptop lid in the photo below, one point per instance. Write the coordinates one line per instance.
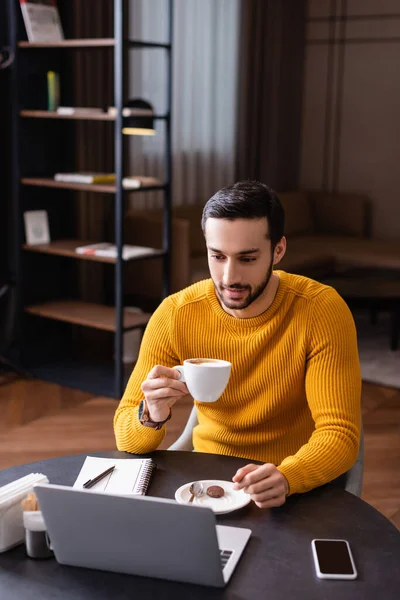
(140, 535)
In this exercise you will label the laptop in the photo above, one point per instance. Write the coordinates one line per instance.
(140, 535)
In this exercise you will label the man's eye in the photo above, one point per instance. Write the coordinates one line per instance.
(247, 259)
(217, 256)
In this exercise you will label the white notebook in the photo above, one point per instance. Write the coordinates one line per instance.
(130, 476)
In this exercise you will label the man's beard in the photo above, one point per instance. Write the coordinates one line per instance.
(253, 294)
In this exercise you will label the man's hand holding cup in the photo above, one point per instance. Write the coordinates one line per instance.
(205, 379)
(161, 390)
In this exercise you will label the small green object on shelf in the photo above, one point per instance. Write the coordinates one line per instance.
(53, 90)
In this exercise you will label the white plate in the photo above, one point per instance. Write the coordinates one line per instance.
(231, 500)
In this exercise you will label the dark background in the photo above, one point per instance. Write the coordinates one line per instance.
(4, 157)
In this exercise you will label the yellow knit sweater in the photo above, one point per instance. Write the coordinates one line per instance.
(293, 398)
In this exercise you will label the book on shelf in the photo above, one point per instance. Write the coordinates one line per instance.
(78, 110)
(128, 477)
(131, 182)
(131, 112)
(42, 20)
(107, 250)
(85, 177)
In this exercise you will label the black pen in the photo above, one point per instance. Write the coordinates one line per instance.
(91, 482)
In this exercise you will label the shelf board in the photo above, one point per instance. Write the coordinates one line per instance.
(143, 44)
(87, 314)
(92, 43)
(67, 248)
(77, 43)
(50, 114)
(86, 187)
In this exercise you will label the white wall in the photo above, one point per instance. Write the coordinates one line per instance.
(351, 136)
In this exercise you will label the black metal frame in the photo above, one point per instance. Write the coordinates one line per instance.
(120, 45)
(119, 161)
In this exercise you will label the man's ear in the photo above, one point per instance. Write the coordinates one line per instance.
(280, 250)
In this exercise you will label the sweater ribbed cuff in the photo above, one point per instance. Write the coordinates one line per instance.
(294, 477)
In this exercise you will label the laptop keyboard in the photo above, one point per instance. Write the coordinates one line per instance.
(225, 556)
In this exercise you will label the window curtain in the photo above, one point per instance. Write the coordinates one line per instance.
(271, 57)
(205, 55)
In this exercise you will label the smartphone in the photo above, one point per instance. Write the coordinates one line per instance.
(333, 559)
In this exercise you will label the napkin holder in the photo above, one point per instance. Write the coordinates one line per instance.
(12, 530)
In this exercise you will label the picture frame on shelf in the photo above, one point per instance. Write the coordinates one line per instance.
(42, 20)
(36, 227)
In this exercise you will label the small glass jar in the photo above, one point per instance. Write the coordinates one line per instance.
(37, 541)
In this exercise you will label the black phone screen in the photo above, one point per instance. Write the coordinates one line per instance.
(333, 557)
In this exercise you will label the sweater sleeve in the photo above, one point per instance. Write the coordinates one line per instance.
(156, 349)
(333, 390)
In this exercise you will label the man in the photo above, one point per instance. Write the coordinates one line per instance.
(293, 399)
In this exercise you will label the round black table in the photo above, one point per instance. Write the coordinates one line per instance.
(276, 564)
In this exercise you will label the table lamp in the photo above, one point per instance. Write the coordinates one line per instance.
(138, 118)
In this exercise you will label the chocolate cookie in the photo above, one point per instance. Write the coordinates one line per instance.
(215, 491)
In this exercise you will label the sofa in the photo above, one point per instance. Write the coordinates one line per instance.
(327, 233)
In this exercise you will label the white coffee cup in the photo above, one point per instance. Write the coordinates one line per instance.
(206, 378)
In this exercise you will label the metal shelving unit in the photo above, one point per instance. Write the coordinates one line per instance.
(114, 319)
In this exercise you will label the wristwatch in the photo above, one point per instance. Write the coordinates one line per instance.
(145, 419)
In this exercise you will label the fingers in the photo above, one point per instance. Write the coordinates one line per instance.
(241, 473)
(161, 371)
(266, 485)
(272, 503)
(161, 390)
(163, 382)
(261, 493)
(251, 474)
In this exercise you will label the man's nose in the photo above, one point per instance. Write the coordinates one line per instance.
(231, 274)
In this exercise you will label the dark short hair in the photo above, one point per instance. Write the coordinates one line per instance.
(247, 200)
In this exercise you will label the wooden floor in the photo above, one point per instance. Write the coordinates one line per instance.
(43, 420)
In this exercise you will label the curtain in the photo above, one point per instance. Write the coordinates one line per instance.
(271, 51)
(205, 55)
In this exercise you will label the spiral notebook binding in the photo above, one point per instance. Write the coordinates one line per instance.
(145, 477)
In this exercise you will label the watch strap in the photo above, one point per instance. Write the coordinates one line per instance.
(146, 420)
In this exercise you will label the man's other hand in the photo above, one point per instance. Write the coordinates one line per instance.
(267, 486)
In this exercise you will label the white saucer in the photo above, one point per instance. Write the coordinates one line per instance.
(230, 501)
